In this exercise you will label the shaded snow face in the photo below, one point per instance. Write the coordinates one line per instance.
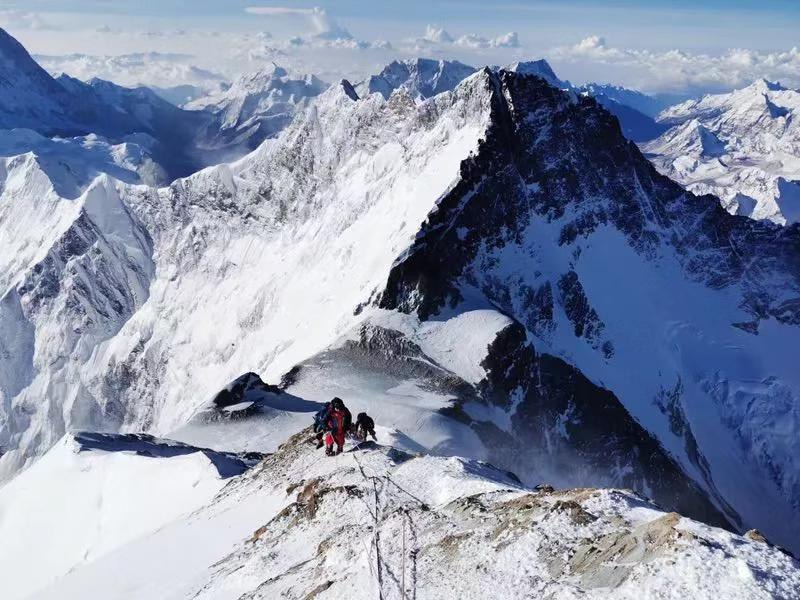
(742, 146)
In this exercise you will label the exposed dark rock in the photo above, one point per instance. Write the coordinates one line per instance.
(237, 390)
(580, 429)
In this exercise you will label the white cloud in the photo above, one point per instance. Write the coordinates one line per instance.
(161, 33)
(509, 40)
(323, 25)
(326, 26)
(593, 47)
(19, 19)
(438, 39)
(475, 41)
(277, 10)
(680, 70)
(140, 68)
(325, 32)
(437, 35)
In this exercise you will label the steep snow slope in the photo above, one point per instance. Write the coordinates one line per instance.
(351, 176)
(377, 522)
(29, 96)
(255, 107)
(31, 99)
(74, 271)
(742, 146)
(93, 493)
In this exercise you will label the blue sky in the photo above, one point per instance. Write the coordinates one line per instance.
(706, 24)
(657, 45)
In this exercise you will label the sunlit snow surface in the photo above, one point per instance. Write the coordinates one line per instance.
(258, 265)
(81, 503)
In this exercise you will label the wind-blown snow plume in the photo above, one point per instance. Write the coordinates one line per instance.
(373, 522)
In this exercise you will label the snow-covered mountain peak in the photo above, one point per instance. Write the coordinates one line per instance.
(765, 85)
(272, 70)
(745, 106)
(540, 68)
(256, 106)
(421, 77)
(757, 127)
(691, 138)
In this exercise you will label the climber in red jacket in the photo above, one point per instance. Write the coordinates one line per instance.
(338, 423)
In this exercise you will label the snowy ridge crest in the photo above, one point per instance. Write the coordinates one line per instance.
(378, 521)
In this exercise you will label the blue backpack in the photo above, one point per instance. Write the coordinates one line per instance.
(321, 417)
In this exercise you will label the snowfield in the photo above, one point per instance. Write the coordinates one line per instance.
(93, 494)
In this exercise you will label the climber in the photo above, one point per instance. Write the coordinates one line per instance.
(320, 418)
(337, 425)
(364, 427)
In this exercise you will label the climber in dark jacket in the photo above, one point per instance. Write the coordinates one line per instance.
(364, 427)
(337, 425)
(320, 419)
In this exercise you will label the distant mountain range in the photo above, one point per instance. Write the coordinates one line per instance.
(255, 107)
(743, 146)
